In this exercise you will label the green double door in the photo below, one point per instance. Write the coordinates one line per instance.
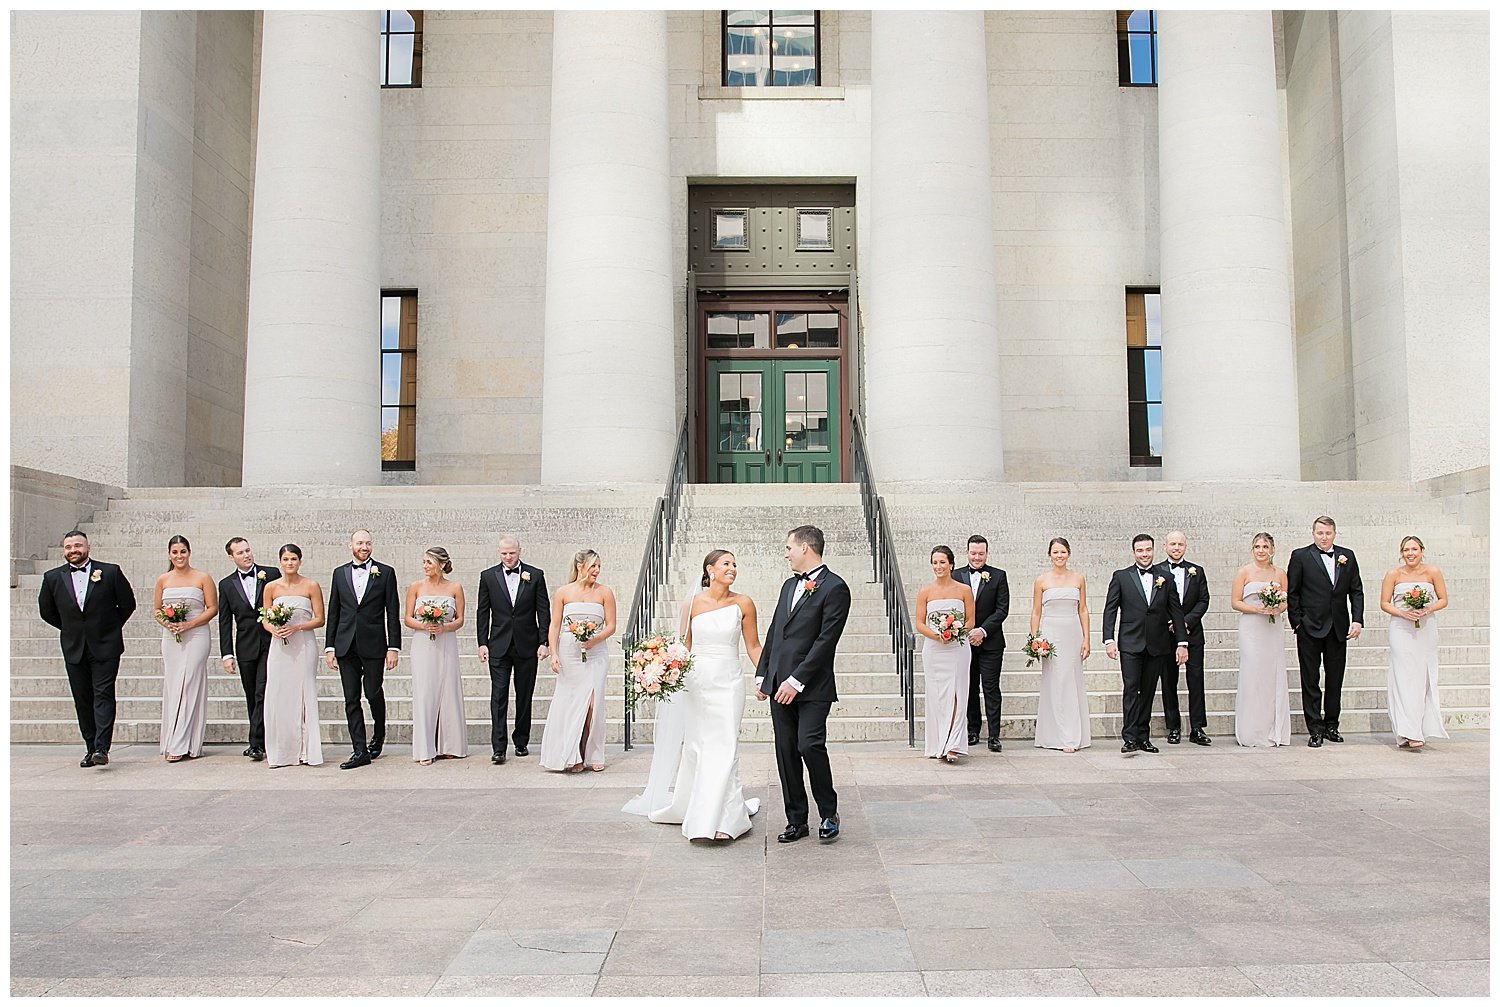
(774, 421)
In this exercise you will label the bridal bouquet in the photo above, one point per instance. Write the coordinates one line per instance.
(1270, 596)
(1416, 599)
(277, 615)
(1038, 648)
(431, 613)
(583, 631)
(173, 613)
(949, 626)
(657, 667)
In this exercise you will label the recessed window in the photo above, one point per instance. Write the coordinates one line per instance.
(814, 230)
(398, 380)
(739, 330)
(797, 330)
(400, 48)
(1143, 374)
(1137, 34)
(770, 48)
(731, 230)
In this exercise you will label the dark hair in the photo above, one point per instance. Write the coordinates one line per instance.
(1142, 537)
(1059, 541)
(75, 533)
(941, 549)
(1263, 535)
(1412, 538)
(440, 554)
(289, 548)
(177, 540)
(810, 536)
(229, 546)
(979, 540)
(709, 560)
(1324, 519)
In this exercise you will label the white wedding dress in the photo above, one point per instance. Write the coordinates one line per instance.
(708, 798)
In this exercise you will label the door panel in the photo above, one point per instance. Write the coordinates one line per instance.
(774, 421)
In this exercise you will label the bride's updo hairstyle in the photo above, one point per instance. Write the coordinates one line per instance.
(440, 556)
(709, 561)
(582, 559)
(941, 549)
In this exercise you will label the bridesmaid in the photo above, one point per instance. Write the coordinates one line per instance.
(575, 718)
(437, 687)
(1262, 711)
(945, 666)
(293, 734)
(1411, 684)
(1060, 615)
(184, 652)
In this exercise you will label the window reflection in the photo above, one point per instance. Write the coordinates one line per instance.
(770, 48)
(806, 411)
(400, 48)
(740, 412)
(801, 329)
(739, 330)
(730, 230)
(1137, 46)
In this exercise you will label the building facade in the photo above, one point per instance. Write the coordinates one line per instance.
(444, 247)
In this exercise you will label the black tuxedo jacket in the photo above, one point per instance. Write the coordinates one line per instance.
(991, 603)
(367, 628)
(1317, 606)
(802, 645)
(1143, 628)
(240, 634)
(1194, 598)
(502, 624)
(94, 632)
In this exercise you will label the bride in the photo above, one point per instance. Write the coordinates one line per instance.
(708, 799)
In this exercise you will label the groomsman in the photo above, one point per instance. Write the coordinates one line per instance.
(1325, 602)
(1192, 591)
(363, 641)
(89, 601)
(241, 638)
(987, 638)
(513, 616)
(1145, 600)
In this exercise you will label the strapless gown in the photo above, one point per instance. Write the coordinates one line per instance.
(945, 674)
(1262, 709)
(437, 694)
(575, 718)
(1062, 708)
(1412, 682)
(293, 733)
(708, 797)
(184, 698)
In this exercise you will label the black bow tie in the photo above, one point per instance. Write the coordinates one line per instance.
(247, 574)
(514, 569)
(1328, 553)
(79, 569)
(361, 566)
(1177, 566)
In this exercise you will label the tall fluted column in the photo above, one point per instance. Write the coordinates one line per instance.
(1229, 394)
(932, 347)
(312, 362)
(609, 408)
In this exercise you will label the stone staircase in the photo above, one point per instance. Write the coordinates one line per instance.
(1098, 519)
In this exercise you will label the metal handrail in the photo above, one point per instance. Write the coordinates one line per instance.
(887, 571)
(653, 571)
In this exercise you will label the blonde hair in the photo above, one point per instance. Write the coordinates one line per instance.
(581, 559)
(440, 554)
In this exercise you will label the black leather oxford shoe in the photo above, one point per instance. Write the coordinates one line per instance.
(828, 831)
(1198, 737)
(792, 834)
(498, 759)
(356, 760)
(1333, 736)
(1174, 737)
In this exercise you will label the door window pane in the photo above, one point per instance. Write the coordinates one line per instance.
(740, 412)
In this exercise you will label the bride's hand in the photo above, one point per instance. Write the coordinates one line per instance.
(555, 664)
(1083, 652)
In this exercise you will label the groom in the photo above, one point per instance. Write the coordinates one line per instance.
(1145, 601)
(796, 667)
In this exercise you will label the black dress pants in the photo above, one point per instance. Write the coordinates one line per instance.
(1139, 673)
(1197, 709)
(253, 679)
(984, 674)
(801, 729)
(92, 683)
(367, 675)
(503, 667)
(1321, 707)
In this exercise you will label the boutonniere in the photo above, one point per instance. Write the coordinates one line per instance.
(374, 570)
(985, 576)
(1343, 561)
(1192, 571)
(808, 587)
(1160, 581)
(526, 576)
(96, 575)
(260, 575)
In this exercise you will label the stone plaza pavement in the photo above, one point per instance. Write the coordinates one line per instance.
(1355, 869)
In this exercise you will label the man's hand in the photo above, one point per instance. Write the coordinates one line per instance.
(228, 665)
(391, 657)
(541, 652)
(976, 638)
(1354, 630)
(1181, 656)
(330, 660)
(1112, 651)
(484, 653)
(760, 695)
(785, 694)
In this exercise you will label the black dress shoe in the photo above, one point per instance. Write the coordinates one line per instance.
(247, 751)
(793, 833)
(994, 746)
(828, 830)
(1129, 748)
(498, 759)
(1174, 737)
(1315, 741)
(1333, 736)
(1200, 738)
(101, 758)
(376, 747)
(974, 738)
(257, 755)
(88, 761)
(356, 760)
(1146, 746)
(522, 751)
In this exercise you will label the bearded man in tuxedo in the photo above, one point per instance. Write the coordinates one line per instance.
(1145, 602)
(363, 641)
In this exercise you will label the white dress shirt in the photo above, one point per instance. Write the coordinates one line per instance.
(247, 583)
(1328, 562)
(361, 580)
(512, 581)
(81, 584)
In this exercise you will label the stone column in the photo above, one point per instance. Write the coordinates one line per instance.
(932, 348)
(609, 387)
(1229, 393)
(312, 363)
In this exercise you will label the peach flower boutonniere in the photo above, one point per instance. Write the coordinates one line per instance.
(1343, 561)
(526, 576)
(96, 575)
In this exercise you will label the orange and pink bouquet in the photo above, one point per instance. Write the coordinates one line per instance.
(431, 613)
(656, 667)
(583, 631)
